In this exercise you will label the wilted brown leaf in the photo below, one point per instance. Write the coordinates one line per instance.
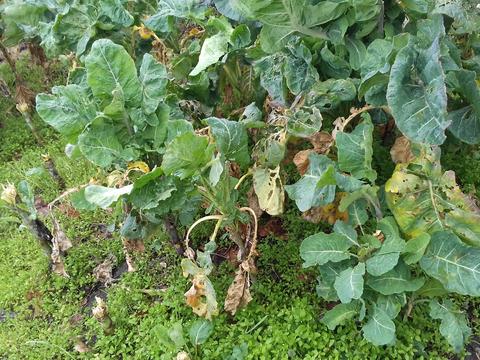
(238, 294)
(301, 160)
(322, 142)
(60, 237)
(401, 151)
(103, 272)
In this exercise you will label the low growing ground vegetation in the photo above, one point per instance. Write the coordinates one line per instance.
(240, 179)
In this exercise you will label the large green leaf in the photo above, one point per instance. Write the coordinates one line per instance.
(465, 122)
(386, 258)
(321, 248)
(282, 18)
(454, 264)
(397, 280)
(69, 109)
(417, 95)
(116, 12)
(167, 10)
(454, 326)
(110, 67)
(317, 185)
(425, 200)
(380, 329)
(186, 154)
(339, 314)
(355, 151)
(153, 77)
(349, 283)
(231, 139)
(101, 145)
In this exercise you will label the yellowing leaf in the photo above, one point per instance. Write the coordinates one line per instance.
(139, 166)
(269, 189)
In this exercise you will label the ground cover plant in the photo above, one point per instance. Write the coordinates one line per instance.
(231, 140)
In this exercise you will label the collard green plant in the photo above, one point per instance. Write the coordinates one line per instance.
(227, 90)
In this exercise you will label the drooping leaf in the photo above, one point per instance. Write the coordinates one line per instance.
(108, 67)
(321, 248)
(269, 190)
(379, 330)
(317, 185)
(355, 151)
(339, 314)
(103, 196)
(153, 77)
(334, 66)
(349, 284)
(454, 326)
(454, 264)
(201, 296)
(231, 139)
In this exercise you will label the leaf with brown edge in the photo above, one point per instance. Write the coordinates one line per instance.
(401, 151)
(201, 296)
(238, 294)
(329, 213)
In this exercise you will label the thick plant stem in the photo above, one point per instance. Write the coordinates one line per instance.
(37, 228)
